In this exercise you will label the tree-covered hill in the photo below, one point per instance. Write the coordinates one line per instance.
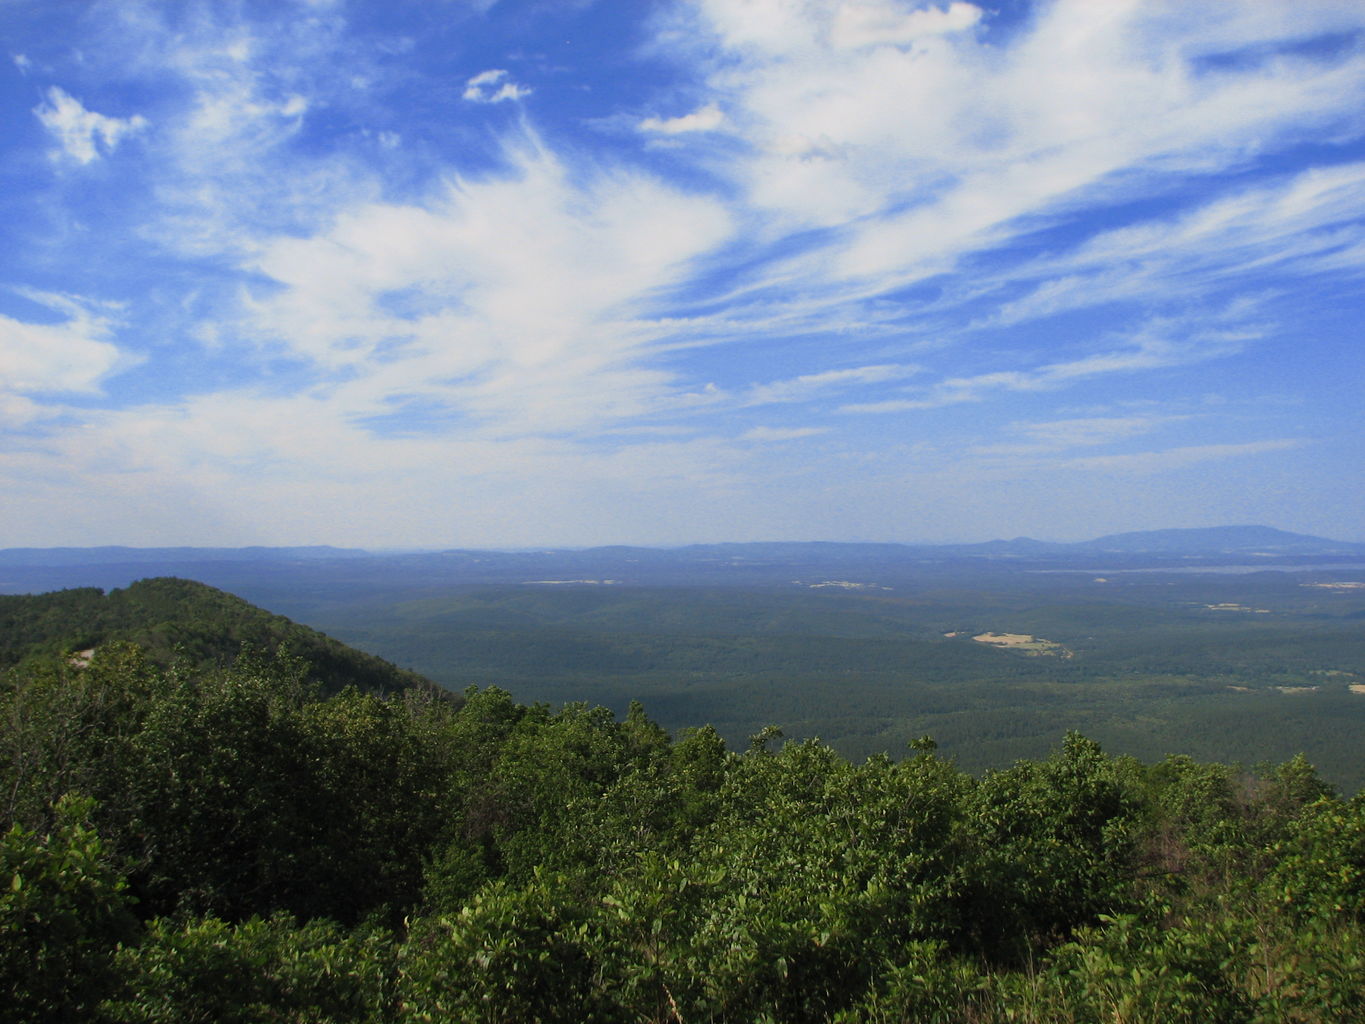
(181, 620)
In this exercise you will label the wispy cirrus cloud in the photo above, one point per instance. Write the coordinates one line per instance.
(1157, 345)
(765, 435)
(930, 149)
(1303, 225)
(810, 385)
(1151, 462)
(1083, 432)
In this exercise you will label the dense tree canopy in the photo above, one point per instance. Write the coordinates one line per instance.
(235, 844)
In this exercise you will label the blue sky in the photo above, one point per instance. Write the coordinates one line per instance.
(509, 273)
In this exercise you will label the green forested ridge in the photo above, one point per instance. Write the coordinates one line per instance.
(184, 621)
(196, 843)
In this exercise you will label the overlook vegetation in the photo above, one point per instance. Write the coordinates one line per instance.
(201, 840)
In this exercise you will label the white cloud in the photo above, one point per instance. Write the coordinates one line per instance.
(17, 411)
(707, 119)
(1060, 435)
(520, 301)
(811, 385)
(1159, 344)
(205, 467)
(1305, 224)
(233, 96)
(767, 434)
(423, 344)
(41, 360)
(886, 23)
(925, 154)
(1144, 463)
(493, 86)
(82, 133)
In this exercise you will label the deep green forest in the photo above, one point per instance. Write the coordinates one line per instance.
(1240, 668)
(201, 839)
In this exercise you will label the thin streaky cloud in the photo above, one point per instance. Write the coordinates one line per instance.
(770, 434)
(808, 386)
(1063, 435)
(1179, 458)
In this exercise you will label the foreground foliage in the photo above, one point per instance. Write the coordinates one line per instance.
(189, 844)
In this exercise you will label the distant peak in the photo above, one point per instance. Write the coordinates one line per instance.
(1215, 539)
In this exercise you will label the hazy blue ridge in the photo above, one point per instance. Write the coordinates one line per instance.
(119, 555)
(1219, 540)
(1209, 541)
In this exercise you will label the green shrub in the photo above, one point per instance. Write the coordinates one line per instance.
(262, 970)
(63, 909)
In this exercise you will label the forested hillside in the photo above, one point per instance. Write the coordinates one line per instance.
(175, 620)
(227, 844)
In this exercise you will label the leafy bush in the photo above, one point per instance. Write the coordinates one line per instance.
(512, 955)
(262, 970)
(63, 910)
(1320, 864)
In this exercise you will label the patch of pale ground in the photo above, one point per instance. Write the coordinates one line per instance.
(847, 585)
(1024, 642)
(555, 583)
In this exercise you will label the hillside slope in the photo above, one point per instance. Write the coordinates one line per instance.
(180, 619)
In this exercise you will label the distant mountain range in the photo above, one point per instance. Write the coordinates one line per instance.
(122, 555)
(293, 577)
(1211, 540)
